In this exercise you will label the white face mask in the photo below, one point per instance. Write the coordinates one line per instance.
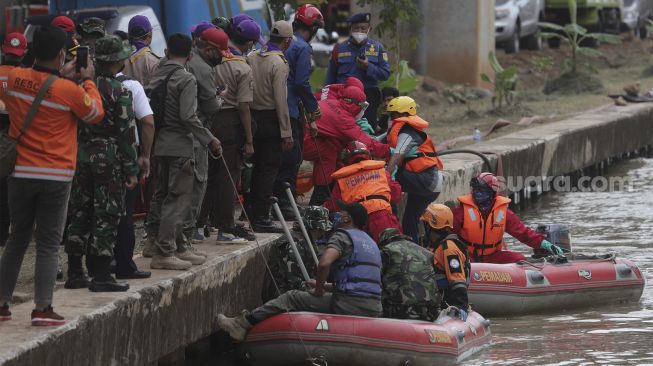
(359, 37)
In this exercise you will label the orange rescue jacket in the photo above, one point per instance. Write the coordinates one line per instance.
(427, 154)
(484, 235)
(365, 182)
(48, 150)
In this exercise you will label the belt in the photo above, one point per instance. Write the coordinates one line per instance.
(486, 246)
(374, 197)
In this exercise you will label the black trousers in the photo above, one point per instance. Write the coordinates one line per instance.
(374, 98)
(291, 160)
(4, 211)
(124, 249)
(266, 160)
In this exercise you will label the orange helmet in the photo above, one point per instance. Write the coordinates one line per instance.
(357, 151)
(486, 181)
(437, 216)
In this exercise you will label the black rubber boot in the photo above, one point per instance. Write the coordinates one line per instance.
(320, 195)
(103, 280)
(76, 277)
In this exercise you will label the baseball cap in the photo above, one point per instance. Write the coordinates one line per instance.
(139, 25)
(15, 44)
(282, 29)
(360, 18)
(246, 27)
(64, 23)
(218, 39)
(357, 212)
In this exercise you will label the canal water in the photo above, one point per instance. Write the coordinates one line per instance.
(600, 222)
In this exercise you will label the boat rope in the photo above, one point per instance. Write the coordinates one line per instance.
(267, 265)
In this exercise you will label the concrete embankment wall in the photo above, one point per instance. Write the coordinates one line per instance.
(162, 315)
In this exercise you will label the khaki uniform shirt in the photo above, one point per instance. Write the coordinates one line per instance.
(181, 121)
(140, 65)
(270, 70)
(236, 75)
(207, 100)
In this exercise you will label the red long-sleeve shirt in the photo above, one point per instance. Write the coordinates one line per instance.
(395, 194)
(514, 227)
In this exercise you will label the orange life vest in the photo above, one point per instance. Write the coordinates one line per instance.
(427, 154)
(365, 182)
(484, 235)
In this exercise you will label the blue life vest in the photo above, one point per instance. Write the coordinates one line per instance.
(360, 274)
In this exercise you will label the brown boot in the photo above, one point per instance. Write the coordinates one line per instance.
(171, 262)
(236, 327)
(148, 248)
(188, 256)
(196, 251)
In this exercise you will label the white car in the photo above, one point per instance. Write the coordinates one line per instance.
(636, 13)
(516, 24)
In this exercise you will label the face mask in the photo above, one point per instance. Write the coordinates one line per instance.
(483, 199)
(359, 37)
(337, 220)
(215, 61)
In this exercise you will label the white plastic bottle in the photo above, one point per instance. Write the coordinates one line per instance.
(477, 135)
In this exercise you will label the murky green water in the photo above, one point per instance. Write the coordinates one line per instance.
(599, 222)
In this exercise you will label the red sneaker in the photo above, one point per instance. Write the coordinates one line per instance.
(46, 317)
(5, 314)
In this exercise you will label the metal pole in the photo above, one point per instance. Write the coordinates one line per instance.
(291, 198)
(277, 210)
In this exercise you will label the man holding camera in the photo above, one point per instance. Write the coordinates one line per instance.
(362, 58)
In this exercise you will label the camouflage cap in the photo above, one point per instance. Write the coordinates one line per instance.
(92, 25)
(317, 217)
(111, 48)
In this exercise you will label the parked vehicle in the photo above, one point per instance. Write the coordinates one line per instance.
(516, 24)
(594, 15)
(116, 18)
(635, 15)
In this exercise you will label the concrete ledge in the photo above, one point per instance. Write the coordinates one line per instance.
(556, 148)
(156, 317)
(161, 315)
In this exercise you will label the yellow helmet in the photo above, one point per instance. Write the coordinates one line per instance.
(403, 105)
(438, 216)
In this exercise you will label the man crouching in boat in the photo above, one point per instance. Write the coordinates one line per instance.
(352, 260)
(483, 217)
(409, 288)
(450, 257)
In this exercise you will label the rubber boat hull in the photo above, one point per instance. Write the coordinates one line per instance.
(292, 338)
(539, 287)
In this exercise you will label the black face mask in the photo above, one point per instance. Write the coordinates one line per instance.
(214, 61)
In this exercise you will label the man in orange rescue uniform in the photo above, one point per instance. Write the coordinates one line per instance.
(39, 187)
(416, 158)
(483, 217)
(366, 181)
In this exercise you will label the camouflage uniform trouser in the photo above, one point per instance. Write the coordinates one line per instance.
(96, 204)
(328, 303)
(416, 312)
(199, 189)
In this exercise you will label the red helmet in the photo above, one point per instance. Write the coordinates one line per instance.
(357, 151)
(486, 181)
(309, 15)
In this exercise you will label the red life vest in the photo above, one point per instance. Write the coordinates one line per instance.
(365, 182)
(427, 154)
(484, 235)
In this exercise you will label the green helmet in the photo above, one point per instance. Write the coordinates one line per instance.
(111, 48)
(92, 25)
(317, 217)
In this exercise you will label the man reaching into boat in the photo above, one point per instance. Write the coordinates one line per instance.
(351, 260)
(483, 217)
(409, 289)
(450, 258)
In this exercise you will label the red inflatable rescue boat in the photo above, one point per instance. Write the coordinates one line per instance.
(551, 284)
(294, 338)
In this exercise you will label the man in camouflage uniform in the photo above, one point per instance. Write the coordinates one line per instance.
(408, 277)
(106, 165)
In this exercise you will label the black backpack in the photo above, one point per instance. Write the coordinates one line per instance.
(158, 97)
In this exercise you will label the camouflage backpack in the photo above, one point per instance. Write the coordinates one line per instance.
(409, 285)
